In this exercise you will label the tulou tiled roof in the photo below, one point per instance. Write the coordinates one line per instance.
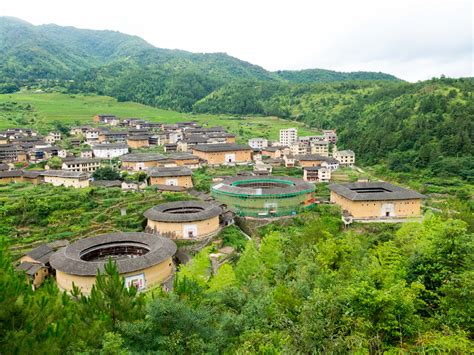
(169, 171)
(224, 147)
(183, 211)
(374, 191)
(69, 260)
(65, 174)
(139, 157)
(41, 253)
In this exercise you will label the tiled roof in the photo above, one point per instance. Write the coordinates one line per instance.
(225, 147)
(69, 260)
(183, 211)
(374, 191)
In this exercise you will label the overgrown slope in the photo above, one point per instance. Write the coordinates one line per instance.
(410, 126)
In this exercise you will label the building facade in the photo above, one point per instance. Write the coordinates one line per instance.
(288, 136)
(184, 220)
(109, 151)
(376, 200)
(223, 154)
(345, 157)
(66, 178)
(172, 176)
(84, 164)
(258, 143)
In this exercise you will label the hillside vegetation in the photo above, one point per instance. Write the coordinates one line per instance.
(427, 125)
(127, 67)
(308, 286)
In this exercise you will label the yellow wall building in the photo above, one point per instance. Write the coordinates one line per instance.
(141, 161)
(223, 154)
(136, 142)
(184, 220)
(143, 260)
(171, 176)
(376, 200)
(65, 178)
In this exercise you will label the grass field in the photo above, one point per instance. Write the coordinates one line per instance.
(40, 110)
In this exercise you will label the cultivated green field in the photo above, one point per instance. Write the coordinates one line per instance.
(40, 110)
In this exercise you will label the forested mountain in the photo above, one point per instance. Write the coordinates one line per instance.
(127, 67)
(326, 76)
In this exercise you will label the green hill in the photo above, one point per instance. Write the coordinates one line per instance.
(326, 76)
(127, 67)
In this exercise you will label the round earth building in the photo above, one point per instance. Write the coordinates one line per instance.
(144, 260)
(184, 219)
(264, 196)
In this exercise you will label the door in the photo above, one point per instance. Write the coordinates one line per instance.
(388, 210)
(190, 231)
(230, 158)
(172, 182)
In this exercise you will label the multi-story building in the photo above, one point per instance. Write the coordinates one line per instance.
(320, 148)
(258, 143)
(345, 157)
(330, 136)
(53, 137)
(173, 176)
(141, 161)
(9, 153)
(138, 141)
(92, 135)
(104, 118)
(288, 136)
(87, 153)
(113, 136)
(110, 151)
(84, 164)
(316, 174)
(75, 131)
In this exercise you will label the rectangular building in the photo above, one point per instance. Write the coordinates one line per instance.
(258, 143)
(174, 176)
(345, 157)
(376, 200)
(109, 151)
(141, 161)
(316, 174)
(65, 178)
(217, 154)
(82, 164)
(288, 136)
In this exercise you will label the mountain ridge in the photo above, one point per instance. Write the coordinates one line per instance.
(86, 48)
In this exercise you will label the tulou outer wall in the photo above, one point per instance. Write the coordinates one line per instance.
(137, 166)
(154, 275)
(185, 181)
(67, 182)
(175, 230)
(215, 158)
(375, 209)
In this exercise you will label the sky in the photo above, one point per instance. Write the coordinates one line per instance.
(411, 39)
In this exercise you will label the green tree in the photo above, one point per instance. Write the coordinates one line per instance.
(111, 301)
(250, 264)
(55, 163)
(106, 173)
(224, 279)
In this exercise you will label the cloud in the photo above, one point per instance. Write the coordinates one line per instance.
(414, 40)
